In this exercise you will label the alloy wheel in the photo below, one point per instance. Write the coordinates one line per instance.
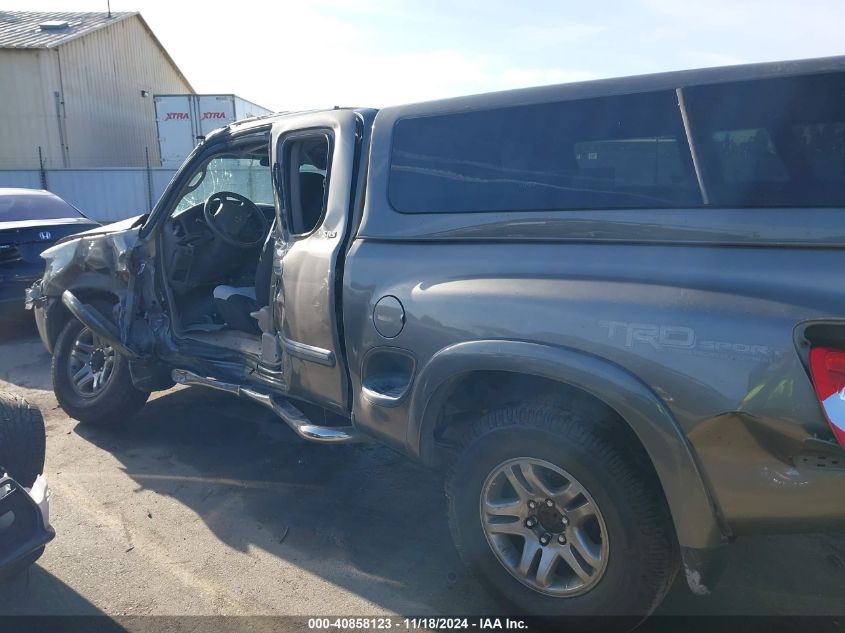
(544, 527)
(90, 364)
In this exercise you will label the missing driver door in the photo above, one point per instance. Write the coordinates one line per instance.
(313, 158)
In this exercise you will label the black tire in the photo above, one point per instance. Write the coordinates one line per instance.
(117, 402)
(642, 558)
(22, 439)
(14, 571)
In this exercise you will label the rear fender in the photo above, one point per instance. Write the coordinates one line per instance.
(693, 511)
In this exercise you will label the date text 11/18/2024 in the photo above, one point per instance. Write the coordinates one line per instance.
(416, 624)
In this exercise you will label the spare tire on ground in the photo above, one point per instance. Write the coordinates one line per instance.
(22, 439)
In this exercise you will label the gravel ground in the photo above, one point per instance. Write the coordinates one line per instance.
(206, 505)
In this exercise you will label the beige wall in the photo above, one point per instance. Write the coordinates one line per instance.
(27, 108)
(106, 121)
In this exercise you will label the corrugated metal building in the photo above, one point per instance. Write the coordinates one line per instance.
(81, 86)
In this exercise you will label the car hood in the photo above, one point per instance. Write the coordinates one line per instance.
(114, 227)
(39, 222)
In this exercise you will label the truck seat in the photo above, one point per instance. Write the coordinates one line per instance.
(235, 304)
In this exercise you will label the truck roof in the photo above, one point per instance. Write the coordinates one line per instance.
(587, 89)
(629, 85)
(265, 119)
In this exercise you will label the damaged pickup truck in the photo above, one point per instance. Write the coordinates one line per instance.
(613, 310)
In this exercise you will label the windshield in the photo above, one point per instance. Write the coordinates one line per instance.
(18, 205)
(244, 175)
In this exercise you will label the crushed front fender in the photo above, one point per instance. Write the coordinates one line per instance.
(99, 262)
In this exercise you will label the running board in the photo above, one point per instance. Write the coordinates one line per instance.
(292, 416)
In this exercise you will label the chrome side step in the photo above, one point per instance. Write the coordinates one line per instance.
(292, 416)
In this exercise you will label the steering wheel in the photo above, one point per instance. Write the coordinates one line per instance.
(230, 216)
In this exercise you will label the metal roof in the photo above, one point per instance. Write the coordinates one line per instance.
(36, 29)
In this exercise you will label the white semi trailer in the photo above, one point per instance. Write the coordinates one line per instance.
(182, 118)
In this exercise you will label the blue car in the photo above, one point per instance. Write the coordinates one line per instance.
(31, 221)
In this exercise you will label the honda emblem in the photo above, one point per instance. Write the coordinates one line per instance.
(45, 235)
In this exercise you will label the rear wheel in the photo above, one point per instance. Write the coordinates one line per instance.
(560, 517)
(91, 380)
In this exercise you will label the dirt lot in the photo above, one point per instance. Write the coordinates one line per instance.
(207, 505)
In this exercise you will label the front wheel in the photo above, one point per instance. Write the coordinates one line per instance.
(559, 517)
(91, 379)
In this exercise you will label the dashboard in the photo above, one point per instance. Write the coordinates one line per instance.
(195, 257)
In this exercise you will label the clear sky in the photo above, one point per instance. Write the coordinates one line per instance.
(319, 53)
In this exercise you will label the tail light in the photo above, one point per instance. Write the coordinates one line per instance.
(827, 367)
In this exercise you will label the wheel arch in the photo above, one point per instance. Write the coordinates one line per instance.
(58, 315)
(693, 510)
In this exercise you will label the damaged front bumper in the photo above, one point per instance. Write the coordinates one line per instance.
(24, 524)
(41, 306)
(33, 296)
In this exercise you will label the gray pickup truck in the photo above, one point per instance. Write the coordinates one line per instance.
(611, 310)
